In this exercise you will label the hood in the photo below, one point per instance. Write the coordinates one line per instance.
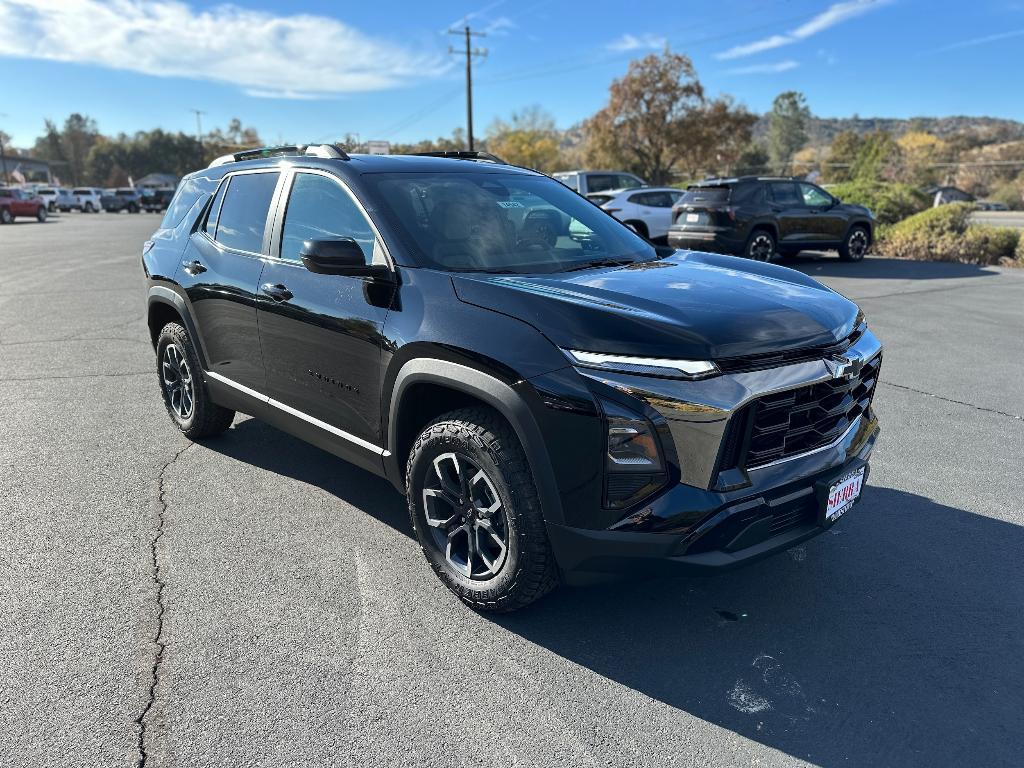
(691, 305)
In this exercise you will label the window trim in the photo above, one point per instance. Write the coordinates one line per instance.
(281, 203)
(225, 181)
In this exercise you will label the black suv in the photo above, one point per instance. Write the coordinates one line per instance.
(758, 217)
(552, 393)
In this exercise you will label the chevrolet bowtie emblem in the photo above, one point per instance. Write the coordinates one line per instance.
(842, 366)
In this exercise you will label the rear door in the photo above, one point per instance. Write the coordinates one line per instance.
(658, 211)
(220, 272)
(321, 334)
(790, 213)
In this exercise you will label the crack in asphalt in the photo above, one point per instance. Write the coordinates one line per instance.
(158, 636)
(951, 400)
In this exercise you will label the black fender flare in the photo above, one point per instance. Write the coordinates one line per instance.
(161, 294)
(769, 224)
(493, 392)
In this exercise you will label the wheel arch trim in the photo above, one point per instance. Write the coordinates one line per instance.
(492, 392)
(160, 294)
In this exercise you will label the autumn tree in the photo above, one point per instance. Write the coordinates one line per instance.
(529, 138)
(717, 135)
(787, 127)
(920, 152)
(650, 110)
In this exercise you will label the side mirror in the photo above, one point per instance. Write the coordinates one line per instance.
(342, 256)
(836, 201)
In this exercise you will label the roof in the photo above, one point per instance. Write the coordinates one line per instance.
(738, 179)
(329, 155)
(623, 190)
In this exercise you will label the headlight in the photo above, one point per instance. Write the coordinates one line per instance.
(634, 465)
(650, 366)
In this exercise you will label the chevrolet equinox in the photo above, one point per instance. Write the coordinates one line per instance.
(553, 394)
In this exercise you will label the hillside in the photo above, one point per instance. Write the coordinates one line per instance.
(986, 129)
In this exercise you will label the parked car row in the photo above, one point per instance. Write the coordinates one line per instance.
(94, 199)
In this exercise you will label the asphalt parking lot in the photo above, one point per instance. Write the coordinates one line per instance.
(292, 621)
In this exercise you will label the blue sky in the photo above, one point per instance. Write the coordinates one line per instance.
(313, 71)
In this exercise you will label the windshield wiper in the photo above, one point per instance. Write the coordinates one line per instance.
(600, 263)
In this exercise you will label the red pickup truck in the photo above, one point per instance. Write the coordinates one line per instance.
(16, 202)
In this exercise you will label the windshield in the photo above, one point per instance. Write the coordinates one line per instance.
(503, 223)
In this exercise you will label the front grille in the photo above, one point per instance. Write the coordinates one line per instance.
(775, 359)
(800, 420)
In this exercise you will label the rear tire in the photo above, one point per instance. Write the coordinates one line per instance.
(760, 246)
(476, 512)
(89, 208)
(183, 389)
(41, 214)
(855, 246)
(5, 216)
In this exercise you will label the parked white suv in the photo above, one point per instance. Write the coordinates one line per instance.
(647, 210)
(87, 199)
(56, 198)
(586, 182)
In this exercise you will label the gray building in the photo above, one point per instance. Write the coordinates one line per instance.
(23, 169)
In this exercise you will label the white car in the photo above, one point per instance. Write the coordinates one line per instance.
(56, 198)
(647, 210)
(87, 199)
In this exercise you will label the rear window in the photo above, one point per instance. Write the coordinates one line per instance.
(126, 192)
(47, 191)
(705, 195)
(189, 192)
(243, 214)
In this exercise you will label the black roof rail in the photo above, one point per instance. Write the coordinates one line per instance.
(329, 151)
(463, 154)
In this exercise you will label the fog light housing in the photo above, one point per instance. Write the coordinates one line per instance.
(634, 463)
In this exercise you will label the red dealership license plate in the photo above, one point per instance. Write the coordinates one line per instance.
(842, 494)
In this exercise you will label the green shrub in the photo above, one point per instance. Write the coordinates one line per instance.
(889, 202)
(1020, 252)
(946, 234)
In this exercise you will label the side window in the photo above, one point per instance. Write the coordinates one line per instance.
(243, 214)
(625, 182)
(210, 227)
(641, 198)
(786, 194)
(659, 199)
(599, 182)
(320, 209)
(814, 196)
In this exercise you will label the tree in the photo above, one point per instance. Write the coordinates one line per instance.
(753, 159)
(529, 139)
(787, 127)
(842, 155)
(920, 151)
(717, 135)
(878, 158)
(644, 126)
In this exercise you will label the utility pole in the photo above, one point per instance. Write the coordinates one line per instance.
(199, 132)
(470, 53)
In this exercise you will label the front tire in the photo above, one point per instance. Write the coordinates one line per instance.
(89, 208)
(760, 246)
(184, 391)
(476, 512)
(41, 214)
(855, 246)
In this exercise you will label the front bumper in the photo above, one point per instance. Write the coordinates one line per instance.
(740, 531)
(728, 508)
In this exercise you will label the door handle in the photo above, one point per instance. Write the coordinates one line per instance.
(276, 291)
(193, 267)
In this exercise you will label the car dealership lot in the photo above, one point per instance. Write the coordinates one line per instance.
(298, 624)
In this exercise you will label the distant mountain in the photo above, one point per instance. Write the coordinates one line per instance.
(986, 129)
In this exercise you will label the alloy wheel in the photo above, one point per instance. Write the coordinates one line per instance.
(857, 245)
(466, 517)
(177, 381)
(762, 248)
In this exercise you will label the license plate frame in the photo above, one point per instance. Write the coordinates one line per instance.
(839, 496)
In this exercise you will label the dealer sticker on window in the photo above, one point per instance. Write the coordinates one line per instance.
(843, 494)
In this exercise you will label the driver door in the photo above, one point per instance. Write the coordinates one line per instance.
(825, 223)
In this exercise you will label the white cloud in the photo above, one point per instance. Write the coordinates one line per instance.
(267, 55)
(979, 41)
(834, 14)
(634, 43)
(500, 26)
(764, 69)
